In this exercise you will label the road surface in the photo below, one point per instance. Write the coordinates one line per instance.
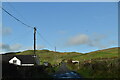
(64, 73)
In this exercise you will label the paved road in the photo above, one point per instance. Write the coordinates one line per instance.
(62, 69)
(64, 72)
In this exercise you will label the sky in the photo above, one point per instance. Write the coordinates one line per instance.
(70, 26)
(60, 0)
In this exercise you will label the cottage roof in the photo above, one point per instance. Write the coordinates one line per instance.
(25, 59)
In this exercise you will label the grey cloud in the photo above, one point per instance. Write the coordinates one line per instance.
(83, 39)
(15, 47)
(4, 46)
(95, 41)
(78, 40)
(7, 47)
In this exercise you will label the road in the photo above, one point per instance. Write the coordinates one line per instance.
(64, 73)
(62, 69)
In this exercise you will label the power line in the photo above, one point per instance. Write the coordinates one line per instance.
(14, 9)
(26, 25)
(17, 19)
(43, 38)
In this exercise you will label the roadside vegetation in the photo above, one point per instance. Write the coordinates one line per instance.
(97, 68)
(97, 64)
(56, 57)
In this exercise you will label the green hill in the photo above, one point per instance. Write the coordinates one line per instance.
(57, 57)
(105, 53)
(51, 56)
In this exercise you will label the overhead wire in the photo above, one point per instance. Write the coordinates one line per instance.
(17, 18)
(27, 26)
(44, 38)
(14, 9)
(26, 20)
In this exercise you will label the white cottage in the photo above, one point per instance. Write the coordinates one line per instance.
(75, 61)
(15, 61)
(21, 60)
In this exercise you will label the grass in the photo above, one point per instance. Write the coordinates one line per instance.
(98, 69)
(103, 65)
(56, 57)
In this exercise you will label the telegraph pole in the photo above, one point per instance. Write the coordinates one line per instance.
(34, 41)
(55, 48)
(37, 61)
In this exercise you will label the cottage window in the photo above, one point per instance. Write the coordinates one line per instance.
(14, 61)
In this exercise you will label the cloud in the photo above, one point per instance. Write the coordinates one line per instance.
(78, 40)
(4, 46)
(7, 47)
(95, 40)
(83, 39)
(15, 47)
(6, 31)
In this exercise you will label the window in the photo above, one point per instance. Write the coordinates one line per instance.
(14, 61)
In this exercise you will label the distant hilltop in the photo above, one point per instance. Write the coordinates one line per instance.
(56, 57)
(28, 52)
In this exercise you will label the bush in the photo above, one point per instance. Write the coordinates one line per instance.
(100, 69)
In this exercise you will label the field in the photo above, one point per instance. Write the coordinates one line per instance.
(97, 64)
(56, 57)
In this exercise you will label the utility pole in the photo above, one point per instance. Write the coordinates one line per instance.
(34, 41)
(55, 48)
(37, 61)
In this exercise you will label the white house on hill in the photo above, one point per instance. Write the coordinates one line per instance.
(15, 61)
(21, 60)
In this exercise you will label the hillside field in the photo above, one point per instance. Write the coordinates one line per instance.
(56, 57)
(104, 63)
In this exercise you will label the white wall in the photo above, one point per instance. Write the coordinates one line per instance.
(75, 61)
(27, 64)
(18, 62)
(15, 58)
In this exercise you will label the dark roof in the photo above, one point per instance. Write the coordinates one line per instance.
(25, 59)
